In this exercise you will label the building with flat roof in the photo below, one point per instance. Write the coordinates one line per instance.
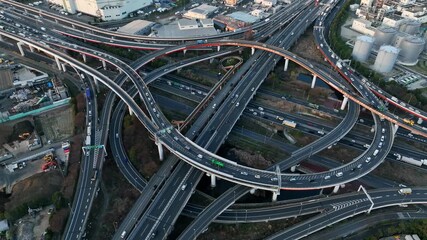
(137, 27)
(201, 12)
(104, 9)
(187, 28)
(6, 78)
(244, 17)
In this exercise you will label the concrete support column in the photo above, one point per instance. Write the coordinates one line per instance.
(344, 103)
(184, 51)
(64, 69)
(213, 180)
(104, 64)
(130, 111)
(1, 37)
(313, 82)
(119, 69)
(95, 80)
(31, 48)
(178, 70)
(336, 188)
(293, 168)
(72, 25)
(240, 52)
(160, 148)
(275, 194)
(395, 129)
(211, 60)
(58, 63)
(21, 50)
(252, 191)
(285, 68)
(218, 48)
(420, 121)
(252, 51)
(84, 58)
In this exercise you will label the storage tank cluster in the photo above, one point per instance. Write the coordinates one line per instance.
(386, 58)
(384, 35)
(362, 48)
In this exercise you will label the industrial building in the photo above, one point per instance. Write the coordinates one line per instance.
(266, 3)
(137, 27)
(6, 78)
(203, 11)
(231, 3)
(386, 58)
(410, 49)
(228, 23)
(106, 10)
(187, 28)
(363, 26)
(362, 48)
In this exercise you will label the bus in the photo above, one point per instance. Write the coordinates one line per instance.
(217, 163)
(95, 174)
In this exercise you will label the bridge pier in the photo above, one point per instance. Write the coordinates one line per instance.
(313, 82)
(285, 68)
(344, 103)
(130, 111)
(21, 50)
(218, 48)
(213, 180)
(293, 168)
(420, 120)
(104, 64)
(395, 127)
(275, 194)
(64, 69)
(72, 25)
(336, 188)
(252, 191)
(211, 60)
(58, 63)
(31, 48)
(184, 51)
(84, 58)
(160, 148)
(252, 51)
(95, 80)
(1, 37)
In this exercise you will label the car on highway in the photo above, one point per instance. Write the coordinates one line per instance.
(368, 159)
(339, 174)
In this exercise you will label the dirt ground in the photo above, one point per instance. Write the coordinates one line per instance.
(7, 128)
(38, 186)
(56, 125)
(33, 227)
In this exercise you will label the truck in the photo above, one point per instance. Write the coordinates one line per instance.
(339, 65)
(88, 130)
(87, 142)
(394, 99)
(375, 152)
(95, 174)
(405, 191)
(409, 121)
(410, 160)
(288, 123)
(312, 105)
(88, 93)
(43, 28)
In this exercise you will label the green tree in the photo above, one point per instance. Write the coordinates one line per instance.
(58, 200)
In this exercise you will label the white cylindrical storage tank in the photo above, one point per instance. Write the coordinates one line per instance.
(410, 27)
(411, 48)
(362, 48)
(386, 59)
(398, 38)
(384, 35)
